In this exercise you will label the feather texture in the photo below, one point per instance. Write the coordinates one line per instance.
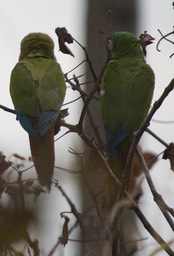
(37, 89)
(43, 157)
(127, 89)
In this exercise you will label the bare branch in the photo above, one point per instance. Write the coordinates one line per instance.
(157, 197)
(139, 133)
(157, 137)
(8, 109)
(73, 207)
(164, 37)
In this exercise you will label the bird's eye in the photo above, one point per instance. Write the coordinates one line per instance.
(109, 44)
(142, 36)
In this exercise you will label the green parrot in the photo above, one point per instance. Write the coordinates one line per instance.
(126, 93)
(37, 89)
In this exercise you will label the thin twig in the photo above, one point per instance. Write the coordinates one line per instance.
(157, 137)
(73, 207)
(97, 81)
(72, 101)
(157, 197)
(139, 133)
(153, 233)
(76, 86)
(8, 109)
(135, 207)
(33, 244)
(90, 96)
(87, 59)
(75, 68)
(164, 37)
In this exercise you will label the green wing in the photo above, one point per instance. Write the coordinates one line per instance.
(38, 89)
(127, 90)
(37, 83)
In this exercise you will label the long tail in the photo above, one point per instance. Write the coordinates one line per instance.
(117, 164)
(43, 157)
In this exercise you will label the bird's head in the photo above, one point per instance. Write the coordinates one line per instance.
(35, 42)
(122, 44)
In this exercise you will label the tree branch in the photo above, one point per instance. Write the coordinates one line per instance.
(139, 133)
(157, 197)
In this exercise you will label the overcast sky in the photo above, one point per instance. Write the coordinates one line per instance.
(154, 15)
(18, 18)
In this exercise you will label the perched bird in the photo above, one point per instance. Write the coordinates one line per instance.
(126, 93)
(37, 89)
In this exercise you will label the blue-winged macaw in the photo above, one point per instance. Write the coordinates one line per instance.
(126, 93)
(37, 89)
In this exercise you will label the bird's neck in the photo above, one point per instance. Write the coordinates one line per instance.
(133, 50)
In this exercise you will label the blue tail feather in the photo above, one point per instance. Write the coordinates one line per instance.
(37, 127)
(114, 138)
(46, 120)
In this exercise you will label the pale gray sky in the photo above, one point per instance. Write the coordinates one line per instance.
(154, 15)
(18, 18)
